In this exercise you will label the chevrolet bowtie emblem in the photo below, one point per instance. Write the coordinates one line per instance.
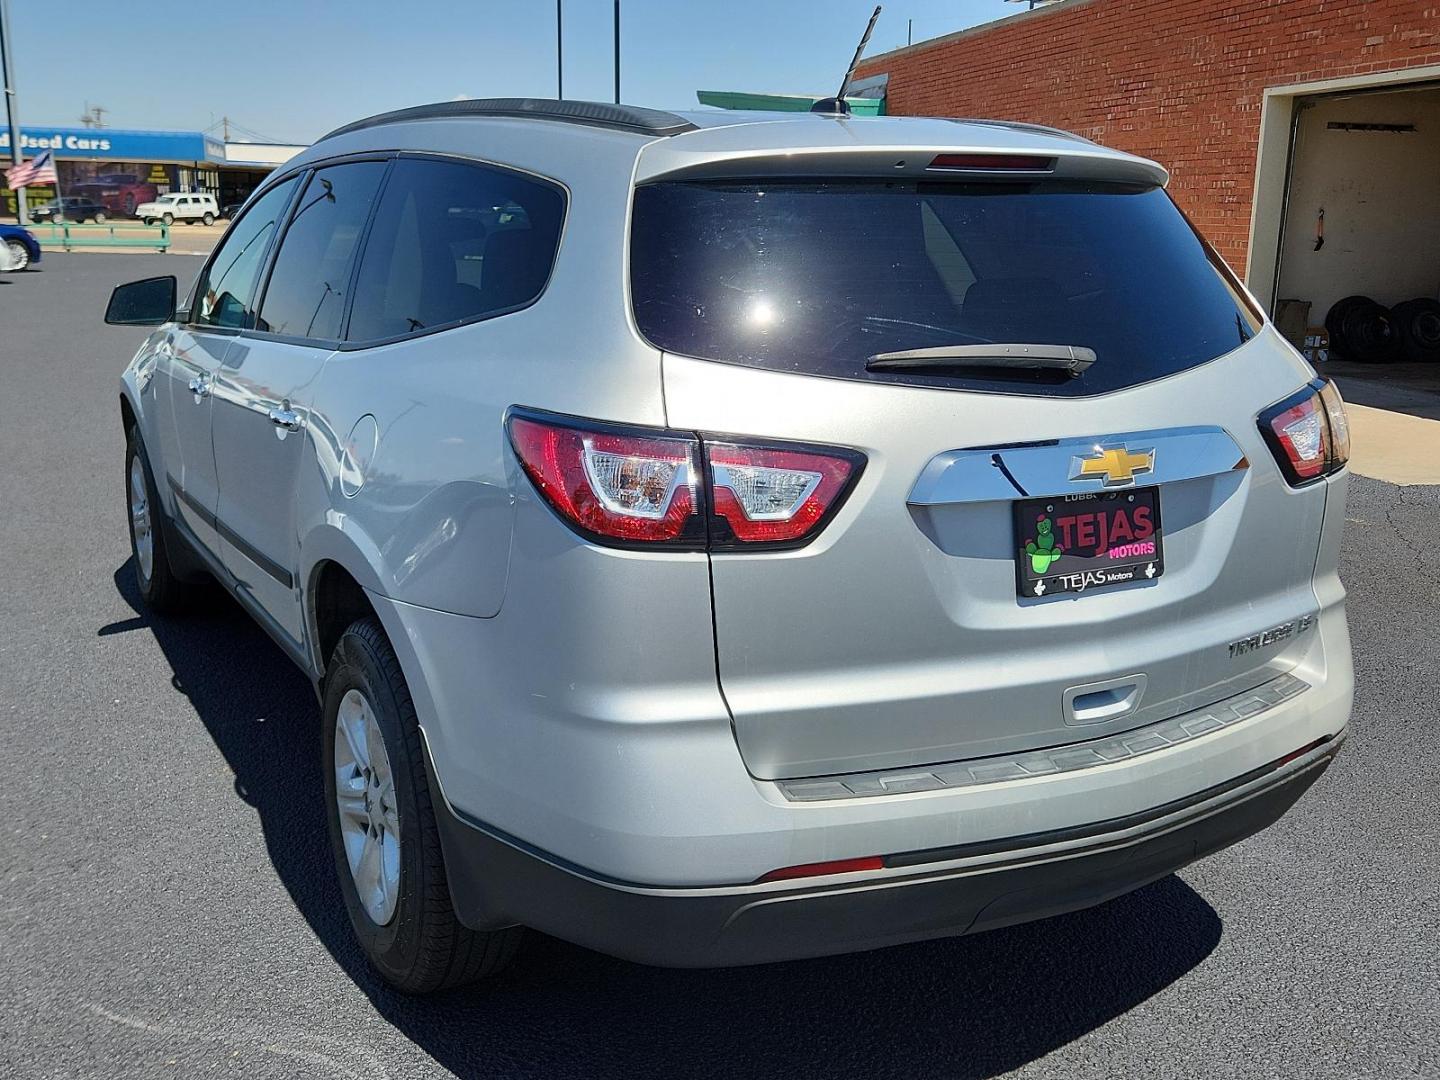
(1116, 465)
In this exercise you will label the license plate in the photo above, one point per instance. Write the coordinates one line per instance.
(1084, 543)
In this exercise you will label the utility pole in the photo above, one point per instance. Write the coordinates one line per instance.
(225, 128)
(7, 76)
(559, 49)
(617, 52)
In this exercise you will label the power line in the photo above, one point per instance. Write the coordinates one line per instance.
(228, 123)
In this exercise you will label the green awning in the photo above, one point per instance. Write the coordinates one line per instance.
(740, 99)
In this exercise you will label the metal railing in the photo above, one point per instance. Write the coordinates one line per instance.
(68, 237)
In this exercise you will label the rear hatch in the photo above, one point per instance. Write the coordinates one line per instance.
(1067, 517)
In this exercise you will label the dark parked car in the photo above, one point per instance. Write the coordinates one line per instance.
(20, 248)
(72, 208)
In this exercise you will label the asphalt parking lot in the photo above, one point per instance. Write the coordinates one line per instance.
(167, 905)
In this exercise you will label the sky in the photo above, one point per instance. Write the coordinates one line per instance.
(291, 70)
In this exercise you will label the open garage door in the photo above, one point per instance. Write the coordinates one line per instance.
(1359, 250)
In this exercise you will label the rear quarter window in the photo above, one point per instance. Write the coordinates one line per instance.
(453, 242)
(815, 278)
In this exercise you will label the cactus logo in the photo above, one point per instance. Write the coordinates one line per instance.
(1043, 550)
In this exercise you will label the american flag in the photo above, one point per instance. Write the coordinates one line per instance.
(38, 170)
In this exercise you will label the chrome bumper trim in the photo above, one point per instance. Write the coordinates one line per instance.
(1060, 759)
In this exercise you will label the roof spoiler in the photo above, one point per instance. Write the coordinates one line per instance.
(629, 118)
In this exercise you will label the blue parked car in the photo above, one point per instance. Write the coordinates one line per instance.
(24, 249)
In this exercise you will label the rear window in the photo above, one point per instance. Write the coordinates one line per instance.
(816, 278)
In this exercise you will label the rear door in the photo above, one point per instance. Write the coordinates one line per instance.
(263, 390)
(222, 305)
(912, 630)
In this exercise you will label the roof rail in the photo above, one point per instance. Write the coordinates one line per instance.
(592, 113)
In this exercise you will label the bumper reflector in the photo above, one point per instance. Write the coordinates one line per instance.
(818, 869)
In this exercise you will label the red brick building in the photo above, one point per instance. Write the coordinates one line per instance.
(1216, 91)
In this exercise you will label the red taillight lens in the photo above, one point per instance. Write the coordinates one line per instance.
(1308, 433)
(614, 484)
(645, 486)
(993, 162)
(839, 866)
(763, 495)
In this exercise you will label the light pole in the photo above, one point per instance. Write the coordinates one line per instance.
(559, 50)
(617, 52)
(7, 76)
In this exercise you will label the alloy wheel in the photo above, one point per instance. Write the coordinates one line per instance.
(140, 523)
(369, 816)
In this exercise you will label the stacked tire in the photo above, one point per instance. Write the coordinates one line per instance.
(1419, 324)
(1361, 329)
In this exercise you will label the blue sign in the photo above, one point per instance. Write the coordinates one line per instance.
(105, 143)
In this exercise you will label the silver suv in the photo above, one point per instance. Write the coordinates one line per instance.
(731, 537)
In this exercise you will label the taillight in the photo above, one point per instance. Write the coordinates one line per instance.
(631, 486)
(765, 495)
(1308, 433)
(614, 484)
(1339, 422)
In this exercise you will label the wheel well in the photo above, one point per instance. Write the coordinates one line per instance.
(127, 414)
(338, 601)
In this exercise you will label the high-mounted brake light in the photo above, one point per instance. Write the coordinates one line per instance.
(993, 162)
(1308, 433)
(632, 486)
(766, 495)
(614, 484)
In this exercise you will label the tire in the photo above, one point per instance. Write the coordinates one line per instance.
(408, 931)
(207, 218)
(19, 255)
(1370, 335)
(1335, 323)
(99, 217)
(1418, 324)
(147, 221)
(159, 586)
(168, 219)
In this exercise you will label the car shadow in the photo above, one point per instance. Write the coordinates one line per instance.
(966, 1007)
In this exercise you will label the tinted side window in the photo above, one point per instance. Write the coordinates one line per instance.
(227, 288)
(306, 294)
(451, 242)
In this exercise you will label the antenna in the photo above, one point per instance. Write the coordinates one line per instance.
(837, 105)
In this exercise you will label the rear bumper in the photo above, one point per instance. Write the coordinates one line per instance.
(496, 880)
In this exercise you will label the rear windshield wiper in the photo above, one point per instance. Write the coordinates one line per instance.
(1071, 358)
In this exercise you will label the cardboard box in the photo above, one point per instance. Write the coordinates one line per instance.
(1317, 345)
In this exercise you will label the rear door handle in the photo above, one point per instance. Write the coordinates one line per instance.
(286, 418)
(1099, 703)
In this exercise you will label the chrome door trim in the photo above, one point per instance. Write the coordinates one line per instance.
(1029, 470)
